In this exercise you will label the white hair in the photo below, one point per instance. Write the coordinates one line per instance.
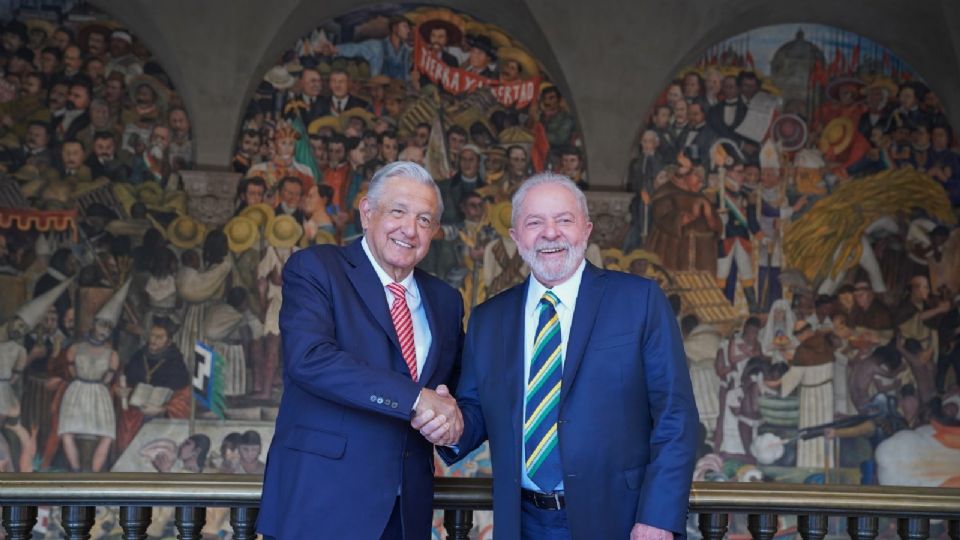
(402, 169)
(547, 178)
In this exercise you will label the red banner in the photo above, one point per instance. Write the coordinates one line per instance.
(455, 80)
(39, 220)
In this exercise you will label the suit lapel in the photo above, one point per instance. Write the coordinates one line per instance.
(512, 359)
(430, 364)
(584, 317)
(365, 281)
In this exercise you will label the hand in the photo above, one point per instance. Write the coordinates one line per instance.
(646, 532)
(152, 410)
(437, 417)
(162, 462)
(122, 392)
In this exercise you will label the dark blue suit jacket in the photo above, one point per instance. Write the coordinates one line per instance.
(343, 446)
(628, 421)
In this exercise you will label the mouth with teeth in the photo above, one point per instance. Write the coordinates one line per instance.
(551, 250)
(401, 243)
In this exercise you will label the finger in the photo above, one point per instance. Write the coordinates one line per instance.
(422, 418)
(443, 390)
(432, 425)
(437, 436)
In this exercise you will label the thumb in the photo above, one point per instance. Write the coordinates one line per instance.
(443, 390)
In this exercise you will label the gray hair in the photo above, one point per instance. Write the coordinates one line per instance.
(402, 169)
(547, 178)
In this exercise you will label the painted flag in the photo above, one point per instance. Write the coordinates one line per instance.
(750, 60)
(303, 153)
(541, 148)
(438, 163)
(855, 58)
(208, 379)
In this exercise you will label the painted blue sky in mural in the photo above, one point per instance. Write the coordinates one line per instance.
(763, 44)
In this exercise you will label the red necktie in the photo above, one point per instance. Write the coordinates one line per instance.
(403, 323)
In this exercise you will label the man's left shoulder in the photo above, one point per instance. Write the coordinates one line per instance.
(623, 281)
(435, 287)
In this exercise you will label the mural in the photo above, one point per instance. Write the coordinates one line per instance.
(117, 258)
(797, 191)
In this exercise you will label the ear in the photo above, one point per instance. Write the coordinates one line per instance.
(365, 209)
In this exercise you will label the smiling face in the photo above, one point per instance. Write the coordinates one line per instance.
(551, 232)
(399, 225)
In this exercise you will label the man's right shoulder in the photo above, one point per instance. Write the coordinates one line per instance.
(500, 303)
(326, 256)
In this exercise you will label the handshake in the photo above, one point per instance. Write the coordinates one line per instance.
(437, 417)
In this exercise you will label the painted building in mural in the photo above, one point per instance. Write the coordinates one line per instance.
(795, 192)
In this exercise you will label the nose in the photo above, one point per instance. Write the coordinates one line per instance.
(408, 226)
(550, 230)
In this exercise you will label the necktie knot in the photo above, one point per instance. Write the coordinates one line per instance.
(550, 298)
(398, 290)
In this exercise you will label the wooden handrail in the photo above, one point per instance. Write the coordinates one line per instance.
(133, 489)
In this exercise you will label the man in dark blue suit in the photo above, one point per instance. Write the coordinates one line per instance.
(365, 340)
(578, 379)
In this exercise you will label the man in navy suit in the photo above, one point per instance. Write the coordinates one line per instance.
(578, 379)
(366, 338)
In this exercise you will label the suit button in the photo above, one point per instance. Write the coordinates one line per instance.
(393, 405)
(386, 402)
(373, 399)
(379, 401)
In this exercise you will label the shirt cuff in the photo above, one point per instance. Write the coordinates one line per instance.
(415, 403)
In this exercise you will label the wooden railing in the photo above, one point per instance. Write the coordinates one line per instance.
(136, 494)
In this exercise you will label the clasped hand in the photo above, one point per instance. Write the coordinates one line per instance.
(437, 417)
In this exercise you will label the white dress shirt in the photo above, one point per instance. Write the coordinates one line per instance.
(567, 293)
(421, 328)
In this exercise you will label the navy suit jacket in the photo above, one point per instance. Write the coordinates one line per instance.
(343, 446)
(627, 419)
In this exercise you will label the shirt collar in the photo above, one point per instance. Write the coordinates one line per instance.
(566, 292)
(408, 282)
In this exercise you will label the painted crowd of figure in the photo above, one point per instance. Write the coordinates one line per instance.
(336, 109)
(109, 296)
(828, 219)
(824, 217)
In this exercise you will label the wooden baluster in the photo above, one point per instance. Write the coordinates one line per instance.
(77, 521)
(953, 529)
(812, 526)
(18, 521)
(134, 520)
(713, 526)
(914, 528)
(762, 526)
(243, 519)
(862, 527)
(458, 524)
(190, 521)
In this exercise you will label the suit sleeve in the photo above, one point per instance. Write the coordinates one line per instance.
(665, 492)
(313, 358)
(468, 399)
